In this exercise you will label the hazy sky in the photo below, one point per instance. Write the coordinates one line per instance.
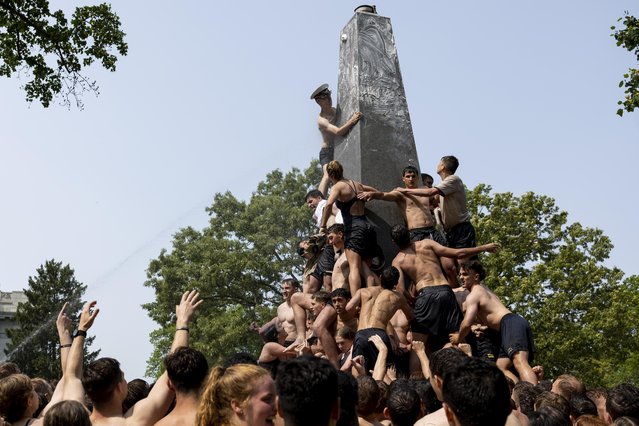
(213, 95)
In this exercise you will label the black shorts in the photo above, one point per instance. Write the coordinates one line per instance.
(326, 155)
(461, 235)
(360, 236)
(326, 262)
(430, 233)
(488, 346)
(437, 314)
(361, 346)
(516, 336)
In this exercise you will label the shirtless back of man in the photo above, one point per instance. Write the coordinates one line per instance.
(420, 263)
(378, 307)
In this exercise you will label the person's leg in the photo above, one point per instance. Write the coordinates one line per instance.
(300, 302)
(354, 267)
(504, 365)
(526, 373)
(328, 282)
(321, 328)
(311, 284)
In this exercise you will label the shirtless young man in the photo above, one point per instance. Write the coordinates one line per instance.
(340, 298)
(324, 325)
(416, 211)
(285, 317)
(328, 129)
(105, 385)
(378, 305)
(517, 345)
(360, 239)
(436, 310)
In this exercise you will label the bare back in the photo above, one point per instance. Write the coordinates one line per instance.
(421, 264)
(347, 190)
(378, 307)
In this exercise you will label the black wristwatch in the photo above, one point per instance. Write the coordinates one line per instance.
(77, 333)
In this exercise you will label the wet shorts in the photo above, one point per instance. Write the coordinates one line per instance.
(326, 262)
(361, 237)
(361, 346)
(326, 155)
(461, 235)
(430, 233)
(516, 336)
(437, 314)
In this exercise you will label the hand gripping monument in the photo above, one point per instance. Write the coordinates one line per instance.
(376, 151)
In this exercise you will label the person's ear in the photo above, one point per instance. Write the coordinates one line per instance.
(237, 408)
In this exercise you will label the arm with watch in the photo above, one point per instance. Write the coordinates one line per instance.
(72, 375)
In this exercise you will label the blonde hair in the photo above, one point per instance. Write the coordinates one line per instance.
(15, 392)
(235, 383)
(335, 170)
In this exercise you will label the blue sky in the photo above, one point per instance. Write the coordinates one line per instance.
(214, 95)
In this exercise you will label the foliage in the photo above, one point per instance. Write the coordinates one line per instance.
(552, 272)
(35, 346)
(236, 263)
(54, 50)
(628, 38)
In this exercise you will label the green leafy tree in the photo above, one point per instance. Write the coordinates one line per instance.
(553, 272)
(628, 38)
(53, 50)
(34, 344)
(236, 263)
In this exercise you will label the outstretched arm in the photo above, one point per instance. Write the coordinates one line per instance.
(151, 409)
(428, 192)
(462, 253)
(379, 371)
(374, 194)
(420, 350)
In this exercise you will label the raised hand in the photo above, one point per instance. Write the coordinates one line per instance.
(87, 316)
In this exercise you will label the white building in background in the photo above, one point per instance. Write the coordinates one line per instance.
(8, 306)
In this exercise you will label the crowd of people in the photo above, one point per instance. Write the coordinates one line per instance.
(423, 341)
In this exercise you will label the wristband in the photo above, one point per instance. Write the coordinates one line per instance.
(182, 329)
(68, 345)
(82, 333)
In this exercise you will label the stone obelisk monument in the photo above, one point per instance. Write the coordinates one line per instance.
(376, 150)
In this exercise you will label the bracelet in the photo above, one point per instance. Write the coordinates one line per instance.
(68, 345)
(82, 333)
(182, 329)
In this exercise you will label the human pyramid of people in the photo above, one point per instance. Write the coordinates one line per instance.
(357, 344)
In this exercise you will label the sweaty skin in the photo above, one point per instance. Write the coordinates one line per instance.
(378, 305)
(285, 316)
(420, 261)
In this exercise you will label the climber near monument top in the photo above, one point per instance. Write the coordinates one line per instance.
(328, 129)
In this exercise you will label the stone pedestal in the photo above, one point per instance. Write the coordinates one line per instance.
(377, 149)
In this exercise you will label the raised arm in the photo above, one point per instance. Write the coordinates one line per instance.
(355, 301)
(420, 350)
(64, 325)
(326, 126)
(151, 409)
(379, 371)
(73, 389)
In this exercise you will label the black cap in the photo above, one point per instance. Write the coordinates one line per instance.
(319, 90)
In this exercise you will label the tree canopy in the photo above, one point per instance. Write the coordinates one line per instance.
(34, 344)
(628, 38)
(52, 51)
(236, 262)
(553, 273)
(550, 271)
